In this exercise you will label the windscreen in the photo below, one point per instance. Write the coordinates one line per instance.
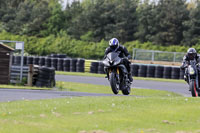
(111, 56)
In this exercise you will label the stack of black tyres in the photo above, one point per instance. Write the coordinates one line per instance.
(17, 60)
(167, 72)
(142, 72)
(151, 71)
(101, 68)
(94, 67)
(46, 77)
(66, 64)
(80, 65)
(175, 72)
(53, 56)
(61, 55)
(29, 60)
(13, 59)
(134, 69)
(42, 61)
(73, 65)
(159, 71)
(36, 60)
(48, 62)
(60, 64)
(54, 62)
(25, 61)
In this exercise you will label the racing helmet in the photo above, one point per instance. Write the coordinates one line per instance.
(114, 43)
(191, 53)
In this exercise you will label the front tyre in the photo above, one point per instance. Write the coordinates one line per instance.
(193, 88)
(113, 83)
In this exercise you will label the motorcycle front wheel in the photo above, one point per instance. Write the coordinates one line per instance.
(113, 83)
(193, 88)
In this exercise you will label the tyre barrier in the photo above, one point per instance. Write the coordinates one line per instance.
(46, 77)
(80, 65)
(17, 60)
(25, 60)
(142, 72)
(175, 73)
(66, 65)
(42, 61)
(60, 64)
(54, 62)
(29, 60)
(101, 68)
(159, 71)
(48, 62)
(94, 67)
(36, 60)
(151, 71)
(73, 65)
(167, 72)
(134, 69)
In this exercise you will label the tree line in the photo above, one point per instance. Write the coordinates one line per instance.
(163, 22)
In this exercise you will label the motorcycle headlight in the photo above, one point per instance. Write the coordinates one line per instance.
(191, 71)
(106, 63)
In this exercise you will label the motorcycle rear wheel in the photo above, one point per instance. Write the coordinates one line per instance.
(113, 83)
(193, 88)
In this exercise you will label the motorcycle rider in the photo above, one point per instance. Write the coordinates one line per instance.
(114, 46)
(191, 55)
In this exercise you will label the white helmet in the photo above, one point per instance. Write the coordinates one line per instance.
(114, 43)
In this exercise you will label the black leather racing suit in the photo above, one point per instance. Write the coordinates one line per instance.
(185, 63)
(123, 53)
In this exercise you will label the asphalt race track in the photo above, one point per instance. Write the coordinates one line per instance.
(180, 88)
(21, 94)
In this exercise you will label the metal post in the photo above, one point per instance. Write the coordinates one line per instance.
(152, 58)
(22, 62)
(174, 57)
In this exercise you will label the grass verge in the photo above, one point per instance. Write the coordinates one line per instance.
(103, 75)
(101, 115)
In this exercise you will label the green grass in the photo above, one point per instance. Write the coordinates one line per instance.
(81, 87)
(103, 75)
(111, 114)
(152, 112)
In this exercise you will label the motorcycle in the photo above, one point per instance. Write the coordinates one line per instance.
(193, 78)
(117, 73)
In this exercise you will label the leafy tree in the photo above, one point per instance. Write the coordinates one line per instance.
(146, 21)
(169, 21)
(192, 34)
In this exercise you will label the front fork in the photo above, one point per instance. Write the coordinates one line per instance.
(109, 70)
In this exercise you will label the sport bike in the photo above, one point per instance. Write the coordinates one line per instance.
(117, 73)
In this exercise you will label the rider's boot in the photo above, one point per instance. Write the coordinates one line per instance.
(130, 77)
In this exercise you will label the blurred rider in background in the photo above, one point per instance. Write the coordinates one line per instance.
(191, 55)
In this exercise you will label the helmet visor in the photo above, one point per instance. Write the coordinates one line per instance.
(113, 47)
